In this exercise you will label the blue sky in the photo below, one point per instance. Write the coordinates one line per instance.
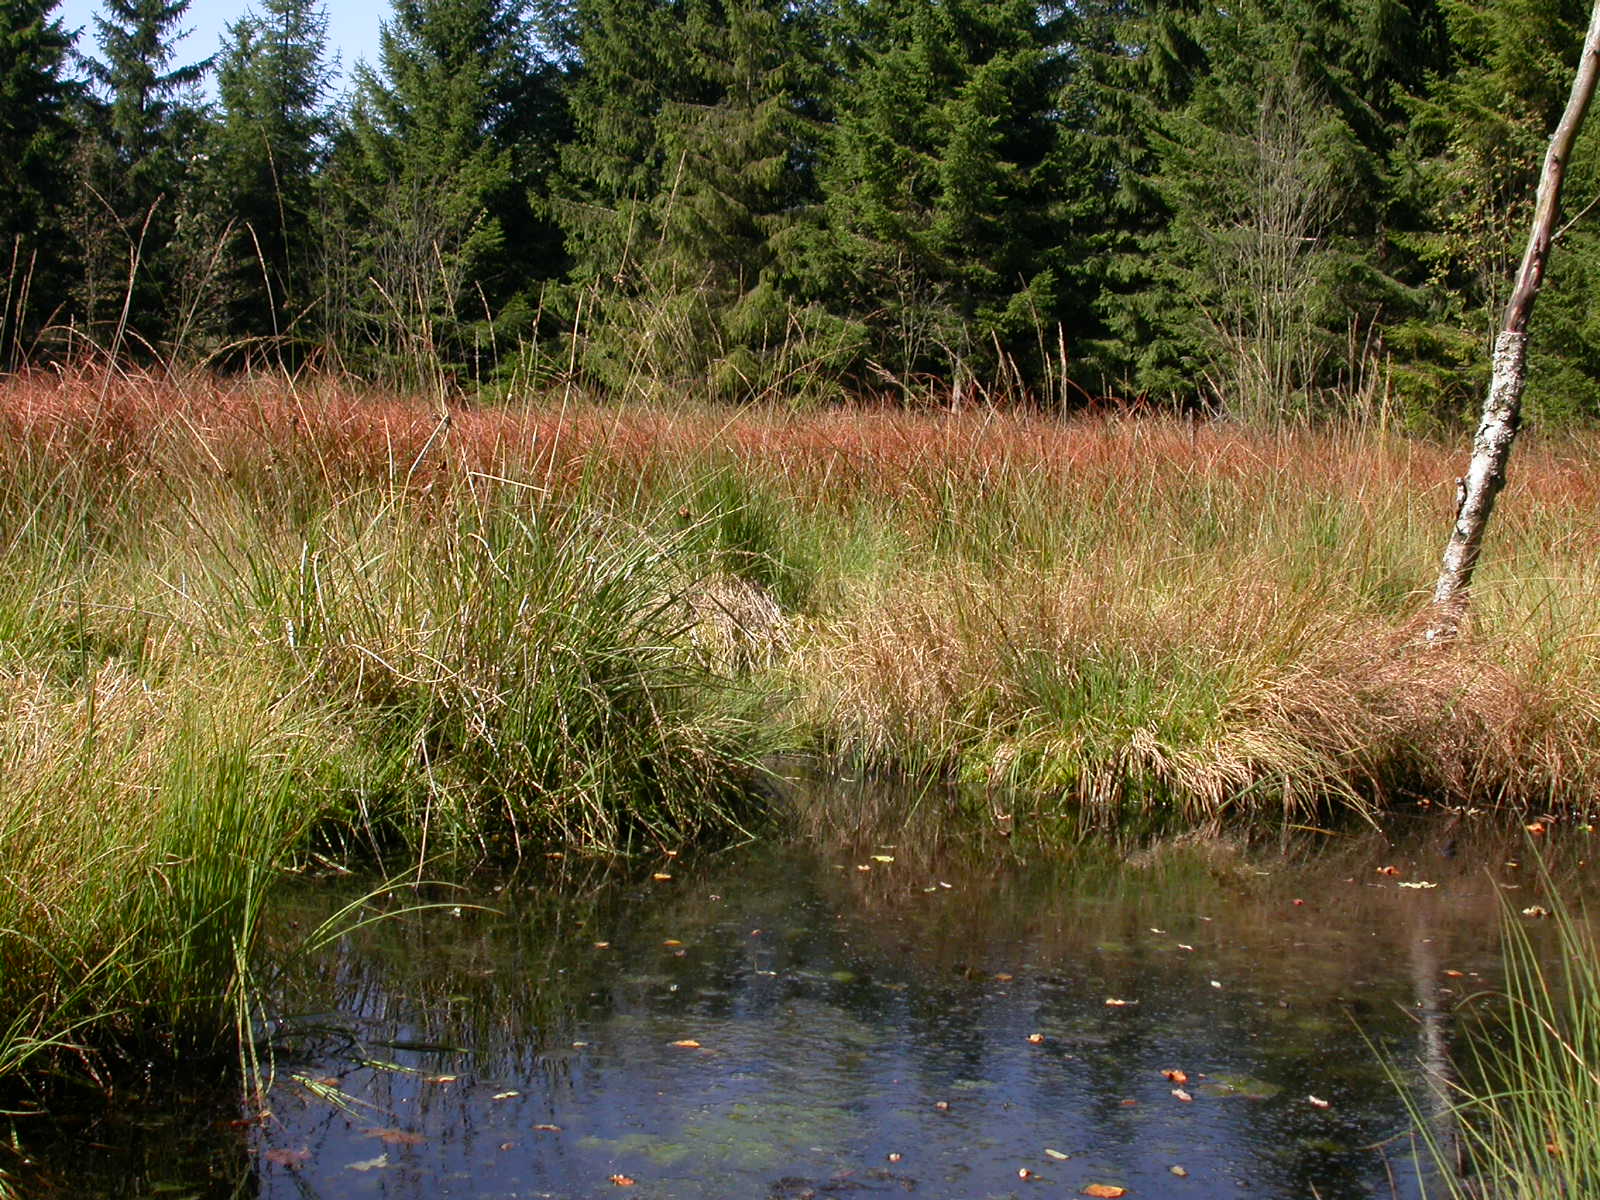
(352, 27)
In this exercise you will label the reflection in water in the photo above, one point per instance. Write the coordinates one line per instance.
(782, 1022)
(779, 1023)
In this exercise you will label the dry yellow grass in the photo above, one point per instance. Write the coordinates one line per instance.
(1112, 616)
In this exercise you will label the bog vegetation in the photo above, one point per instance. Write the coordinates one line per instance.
(248, 624)
(266, 607)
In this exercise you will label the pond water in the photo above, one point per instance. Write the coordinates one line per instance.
(780, 1021)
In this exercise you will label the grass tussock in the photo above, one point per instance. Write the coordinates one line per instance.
(1516, 1115)
(250, 620)
(241, 631)
(140, 836)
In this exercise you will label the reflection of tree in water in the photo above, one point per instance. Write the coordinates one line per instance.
(837, 1008)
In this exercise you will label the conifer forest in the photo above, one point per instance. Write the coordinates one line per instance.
(1275, 209)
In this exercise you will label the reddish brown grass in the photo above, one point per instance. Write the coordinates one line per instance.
(1306, 637)
(355, 434)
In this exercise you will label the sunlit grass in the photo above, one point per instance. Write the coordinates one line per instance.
(1524, 1120)
(249, 621)
(222, 654)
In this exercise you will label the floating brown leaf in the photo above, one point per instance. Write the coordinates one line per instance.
(623, 1180)
(397, 1137)
(1104, 1191)
(1176, 1076)
(1182, 1095)
(282, 1156)
(548, 1128)
(687, 1044)
(1113, 1002)
(1056, 1154)
(1317, 1102)
(1036, 1038)
(659, 877)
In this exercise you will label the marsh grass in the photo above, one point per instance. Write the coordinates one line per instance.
(254, 620)
(1521, 1121)
(1141, 623)
(139, 840)
(234, 636)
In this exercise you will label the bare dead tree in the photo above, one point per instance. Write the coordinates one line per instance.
(1270, 261)
(1502, 409)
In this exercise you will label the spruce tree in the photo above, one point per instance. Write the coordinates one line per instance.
(265, 150)
(1136, 61)
(1476, 142)
(952, 193)
(696, 130)
(444, 147)
(1267, 249)
(136, 172)
(35, 144)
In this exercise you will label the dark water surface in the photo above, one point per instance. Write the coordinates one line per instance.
(783, 1022)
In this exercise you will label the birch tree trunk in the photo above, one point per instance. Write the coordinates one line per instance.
(1502, 410)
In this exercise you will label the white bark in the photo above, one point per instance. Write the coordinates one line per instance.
(1475, 494)
(1502, 410)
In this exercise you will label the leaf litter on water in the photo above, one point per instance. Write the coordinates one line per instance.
(395, 1137)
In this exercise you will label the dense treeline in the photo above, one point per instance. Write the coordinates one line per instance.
(1277, 208)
